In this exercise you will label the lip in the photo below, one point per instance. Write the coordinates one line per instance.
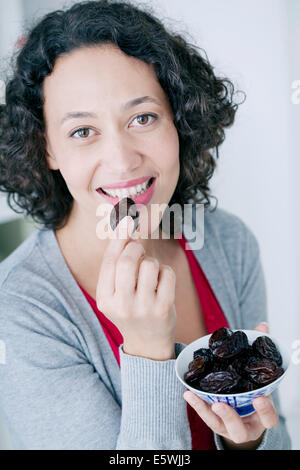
(140, 199)
(127, 184)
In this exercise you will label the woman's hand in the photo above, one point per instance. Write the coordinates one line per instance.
(138, 295)
(237, 432)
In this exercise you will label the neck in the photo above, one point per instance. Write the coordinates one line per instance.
(83, 250)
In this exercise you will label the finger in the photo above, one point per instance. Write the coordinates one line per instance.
(205, 412)
(148, 276)
(237, 431)
(127, 268)
(263, 327)
(166, 283)
(125, 228)
(266, 412)
(106, 279)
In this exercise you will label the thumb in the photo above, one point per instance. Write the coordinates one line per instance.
(125, 228)
(263, 327)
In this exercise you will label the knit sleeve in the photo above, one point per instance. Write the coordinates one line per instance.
(253, 310)
(52, 397)
(154, 412)
(252, 294)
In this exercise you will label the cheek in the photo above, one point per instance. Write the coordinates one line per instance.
(71, 164)
(168, 150)
(75, 174)
(172, 156)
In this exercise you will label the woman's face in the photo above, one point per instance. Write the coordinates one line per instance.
(107, 142)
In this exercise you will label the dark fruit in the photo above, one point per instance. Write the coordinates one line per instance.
(262, 371)
(197, 369)
(219, 382)
(123, 208)
(232, 365)
(263, 346)
(218, 337)
(202, 352)
(232, 346)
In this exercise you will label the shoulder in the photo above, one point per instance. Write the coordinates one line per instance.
(32, 300)
(25, 273)
(221, 222)
(229, 232)
(220, 236)
(230, 249)
(18, 259)
(230, 257)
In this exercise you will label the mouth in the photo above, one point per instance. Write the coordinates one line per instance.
(140, 195)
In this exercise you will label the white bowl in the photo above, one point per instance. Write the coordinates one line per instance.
(241, 402)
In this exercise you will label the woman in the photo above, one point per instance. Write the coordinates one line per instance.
(103, 95)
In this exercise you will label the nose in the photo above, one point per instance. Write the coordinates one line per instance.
(120, 156)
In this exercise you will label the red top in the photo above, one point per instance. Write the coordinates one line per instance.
(202, 436)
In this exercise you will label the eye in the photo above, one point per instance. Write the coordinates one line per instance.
(143, 116)
(85, 129)
(83, 132)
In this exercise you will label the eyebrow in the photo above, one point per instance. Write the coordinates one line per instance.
(124, 107)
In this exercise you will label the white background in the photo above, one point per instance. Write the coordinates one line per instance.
(256, 43)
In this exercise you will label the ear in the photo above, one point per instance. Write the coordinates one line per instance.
(52, 163)
(51, 160)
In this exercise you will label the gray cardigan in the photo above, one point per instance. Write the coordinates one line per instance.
(61, 386)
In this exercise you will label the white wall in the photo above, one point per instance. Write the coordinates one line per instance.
(256, 43)
(11, 18)
(293, 13)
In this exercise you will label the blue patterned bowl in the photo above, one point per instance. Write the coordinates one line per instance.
(241, 402)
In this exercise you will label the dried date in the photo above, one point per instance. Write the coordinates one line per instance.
(245, 385)
(219, 365)
(197, 369)
(123, 208)
(262, 371)
(231, 365)
(219, 382)
(263, 346)
(218, 337)
(239, 363)
(202, 352)
(232, 346)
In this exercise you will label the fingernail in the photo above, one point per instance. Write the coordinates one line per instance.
(190, 398)
(260, 403)
(130, 225)
(125, 227)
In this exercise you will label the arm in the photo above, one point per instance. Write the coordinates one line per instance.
(154, 415)
(53, 398)
(253, 310)
(266, 428)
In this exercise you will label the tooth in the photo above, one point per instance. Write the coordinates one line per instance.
(132, 191)
(118, 193)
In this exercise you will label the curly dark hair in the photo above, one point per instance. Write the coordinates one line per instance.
(202, 103)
